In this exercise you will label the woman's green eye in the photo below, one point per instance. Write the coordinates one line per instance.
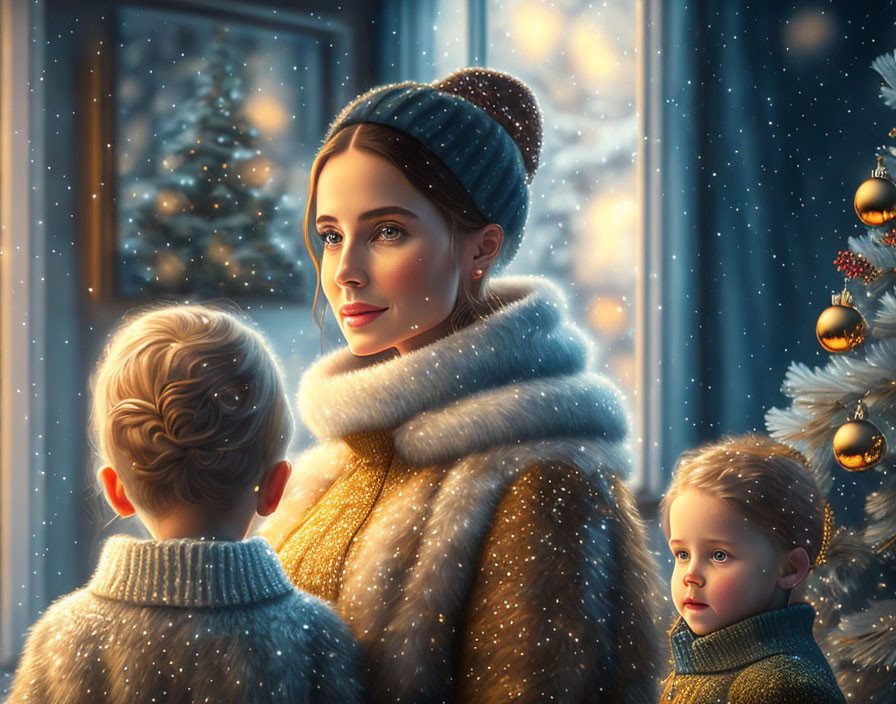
(389, 233)
(329, 237)
(720, 556)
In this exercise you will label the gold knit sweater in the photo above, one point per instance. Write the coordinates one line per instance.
(768, 658)
(315, 551)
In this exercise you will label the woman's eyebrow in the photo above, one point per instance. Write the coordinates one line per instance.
(375, 213)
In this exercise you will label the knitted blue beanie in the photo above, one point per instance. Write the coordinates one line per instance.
(473, 145)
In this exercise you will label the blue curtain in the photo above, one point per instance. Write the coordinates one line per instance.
(406, 44)
(764, 140)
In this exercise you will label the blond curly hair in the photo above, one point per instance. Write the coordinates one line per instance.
(189, 406)
(765, 481)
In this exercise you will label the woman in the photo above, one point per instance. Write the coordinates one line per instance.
(462, 509)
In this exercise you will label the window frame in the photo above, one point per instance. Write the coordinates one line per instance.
(649, 481)
(22, 305)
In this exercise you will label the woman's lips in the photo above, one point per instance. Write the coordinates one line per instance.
(355, 320)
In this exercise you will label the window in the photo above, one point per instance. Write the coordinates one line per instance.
(584, 228)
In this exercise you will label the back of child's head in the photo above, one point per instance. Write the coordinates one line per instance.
(189, 407)
(765, 481)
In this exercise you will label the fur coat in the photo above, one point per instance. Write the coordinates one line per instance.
(464, 510)
(183, 621)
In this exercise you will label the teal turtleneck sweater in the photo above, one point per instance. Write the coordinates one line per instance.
(768, 658)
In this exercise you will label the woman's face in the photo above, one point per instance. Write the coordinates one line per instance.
(388, 269)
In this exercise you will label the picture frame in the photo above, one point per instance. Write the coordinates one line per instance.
(162, 216)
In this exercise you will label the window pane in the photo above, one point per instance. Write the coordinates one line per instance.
(583, 231)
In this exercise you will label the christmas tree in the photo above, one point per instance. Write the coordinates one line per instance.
(840, 418)
(212, 222)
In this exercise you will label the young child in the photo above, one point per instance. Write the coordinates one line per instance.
(192, 420)
(746, 522)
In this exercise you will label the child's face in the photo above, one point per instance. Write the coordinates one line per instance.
(726, 569)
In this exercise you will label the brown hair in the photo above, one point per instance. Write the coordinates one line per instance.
(765, 481)
(189, 407)
(506, 100)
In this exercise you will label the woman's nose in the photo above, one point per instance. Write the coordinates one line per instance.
(351, 272)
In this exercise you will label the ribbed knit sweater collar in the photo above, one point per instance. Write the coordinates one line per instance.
(188, 573)
(787, 630)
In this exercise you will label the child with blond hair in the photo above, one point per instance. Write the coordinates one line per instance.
(192, 421)
(746, 522)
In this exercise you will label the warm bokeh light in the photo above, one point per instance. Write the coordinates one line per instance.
(535, 30)
(170, 201)
(592, 57)
(256, 172)
(608, 316)
(810, 31)
(217, 251)
(267, 115)
(622, 369)
(609, 237)
(170, 268)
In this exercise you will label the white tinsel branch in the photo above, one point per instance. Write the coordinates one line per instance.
(866, 300)
(868, 637)
(815, 386)
(881, 256)
(884, 322)
(845, 379)
(880, 507)
(798, 427)
(885, 65)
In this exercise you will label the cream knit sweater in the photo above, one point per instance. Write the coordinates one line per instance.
(188, 621)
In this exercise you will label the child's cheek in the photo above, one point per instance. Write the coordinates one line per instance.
(728, 591)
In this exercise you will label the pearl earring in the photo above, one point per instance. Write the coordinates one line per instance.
(477, 273)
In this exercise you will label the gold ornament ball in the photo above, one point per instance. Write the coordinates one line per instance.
(875, 201)
(840, 328)
(859, 445)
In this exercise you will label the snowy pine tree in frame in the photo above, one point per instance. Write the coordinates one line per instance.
(215, 126)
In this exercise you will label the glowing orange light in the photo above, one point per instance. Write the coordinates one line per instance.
(591, 55)
(609, 237)
(536, 29)
(608, 316)
(267, 114)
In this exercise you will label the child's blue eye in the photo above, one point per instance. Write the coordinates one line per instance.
(681, 555)
(720, 556)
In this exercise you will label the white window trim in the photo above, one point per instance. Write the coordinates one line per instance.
(22, 302)
(648, 480)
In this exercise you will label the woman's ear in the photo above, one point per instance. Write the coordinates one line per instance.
(794, 568)
(476, 251)
(486, 245)
(271, 487)
(115, 493)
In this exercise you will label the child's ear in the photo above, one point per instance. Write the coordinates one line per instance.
(794, 568)
(271, 487)
(115, 493)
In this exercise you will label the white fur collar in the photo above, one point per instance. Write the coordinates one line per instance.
(516, 376)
